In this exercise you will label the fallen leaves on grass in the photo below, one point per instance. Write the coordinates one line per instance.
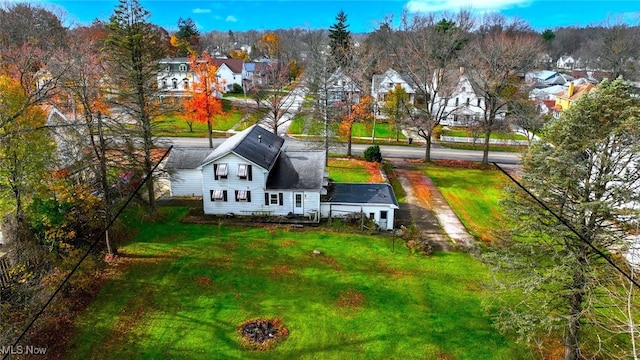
(262, 334)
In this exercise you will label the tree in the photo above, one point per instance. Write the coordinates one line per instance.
(497, 55)
(270, 44)
(187, 38)
(588, 173)
(132, 51)
(203, 102)
(358, 113)
(340, 40)
(429, 56)
(615, 49)
(396, 108)
(23, 23)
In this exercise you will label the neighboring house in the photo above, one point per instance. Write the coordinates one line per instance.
(341, 88)
(464, 107)
(252, 174)
(256, 73)
(572, 93)
(544, 78)
(566, 63)
(175, 76)
(381, 85)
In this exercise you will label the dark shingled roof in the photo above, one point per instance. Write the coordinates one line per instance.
(186, 158)
(256, 144)
(298, 170)
(361, 193)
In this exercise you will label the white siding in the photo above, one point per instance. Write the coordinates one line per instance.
(342, 210)
(310, 202)
(186, 182)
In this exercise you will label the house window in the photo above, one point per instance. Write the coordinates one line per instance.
(243, 195)
(478, 102)
(273, 199)
(457, 101)
(174, 83)
(244, 171)
(298, 200)
(220, 171)
(455, 117)
(164, 83)
(182, 67)
(468, 101)
(218, 195)
(185, 83)
(372, 216)
(383, 215)
(167, 68)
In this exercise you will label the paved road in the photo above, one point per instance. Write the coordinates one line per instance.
(388, 151)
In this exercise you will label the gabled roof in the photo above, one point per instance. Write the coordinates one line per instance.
(298, 170)
(361, 193)
(186, 158)
(234, 64)
(256, 144)
(390, 74)
(346, 82)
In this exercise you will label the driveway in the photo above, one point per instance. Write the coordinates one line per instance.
(425, 207)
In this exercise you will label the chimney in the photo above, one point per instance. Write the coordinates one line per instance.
(571, 89)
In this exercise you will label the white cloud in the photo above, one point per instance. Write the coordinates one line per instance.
(424, 6)
(201, 11)
(231, 18)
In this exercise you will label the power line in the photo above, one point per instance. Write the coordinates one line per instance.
(570, 227)
(86, 254)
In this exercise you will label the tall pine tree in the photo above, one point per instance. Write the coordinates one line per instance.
(340, 41)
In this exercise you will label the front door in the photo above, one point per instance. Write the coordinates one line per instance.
(298, 207)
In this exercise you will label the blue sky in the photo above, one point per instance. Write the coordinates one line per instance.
(363, 16)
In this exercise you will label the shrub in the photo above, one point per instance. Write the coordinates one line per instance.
(372, 153)
(237, 89)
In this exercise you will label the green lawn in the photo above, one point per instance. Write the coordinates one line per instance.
(354, 171)
(383, 131)
(176, 124)
(473, 194)
(188, 287)
(461, 132)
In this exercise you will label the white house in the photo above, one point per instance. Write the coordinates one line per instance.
(566, 63)
(175, 75)
(341, 88)
(464, 107)
(182, 168)
(381, 85)
(252, 174)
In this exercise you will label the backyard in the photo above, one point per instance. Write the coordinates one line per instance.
(184, 289)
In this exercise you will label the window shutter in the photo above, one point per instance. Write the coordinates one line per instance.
(266, 198)
(248, 196)
(224, 195)
(249, 175)
(281, 198)
(215, 171)
(211, 195)
(236, 195)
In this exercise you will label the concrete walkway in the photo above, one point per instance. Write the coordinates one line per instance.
(433, 216)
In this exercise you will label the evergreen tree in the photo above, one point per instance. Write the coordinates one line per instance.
(187, 38)
(340, 40)
(587, 171)
(132, 52)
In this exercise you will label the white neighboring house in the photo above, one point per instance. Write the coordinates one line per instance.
(175, 75)
(182, 167)
(463, 107)
(252, 174)
(566, 63)
(381, 85)
(341, 88)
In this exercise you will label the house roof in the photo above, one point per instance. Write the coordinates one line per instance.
(255, 144)
(378, 80)
(298, 170)
(186, 158)
(234, 64)
(361, 193)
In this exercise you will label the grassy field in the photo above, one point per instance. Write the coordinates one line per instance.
(474, 195)
(461, 132)
(176, 124)
(354, 170)
(183, 290)
(383, 131)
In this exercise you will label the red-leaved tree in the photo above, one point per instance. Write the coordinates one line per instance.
(203, 101)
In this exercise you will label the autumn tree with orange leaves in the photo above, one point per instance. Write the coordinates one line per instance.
(203, 102)
(358, 112)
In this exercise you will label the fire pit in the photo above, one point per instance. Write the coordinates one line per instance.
(262, 334)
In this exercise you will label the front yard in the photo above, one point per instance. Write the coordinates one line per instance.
(183, 290)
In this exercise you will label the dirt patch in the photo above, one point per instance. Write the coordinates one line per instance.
(350, 299)
(328, 260)
(281, 270)
(262, 334)
(203, 281)
(289, 242)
